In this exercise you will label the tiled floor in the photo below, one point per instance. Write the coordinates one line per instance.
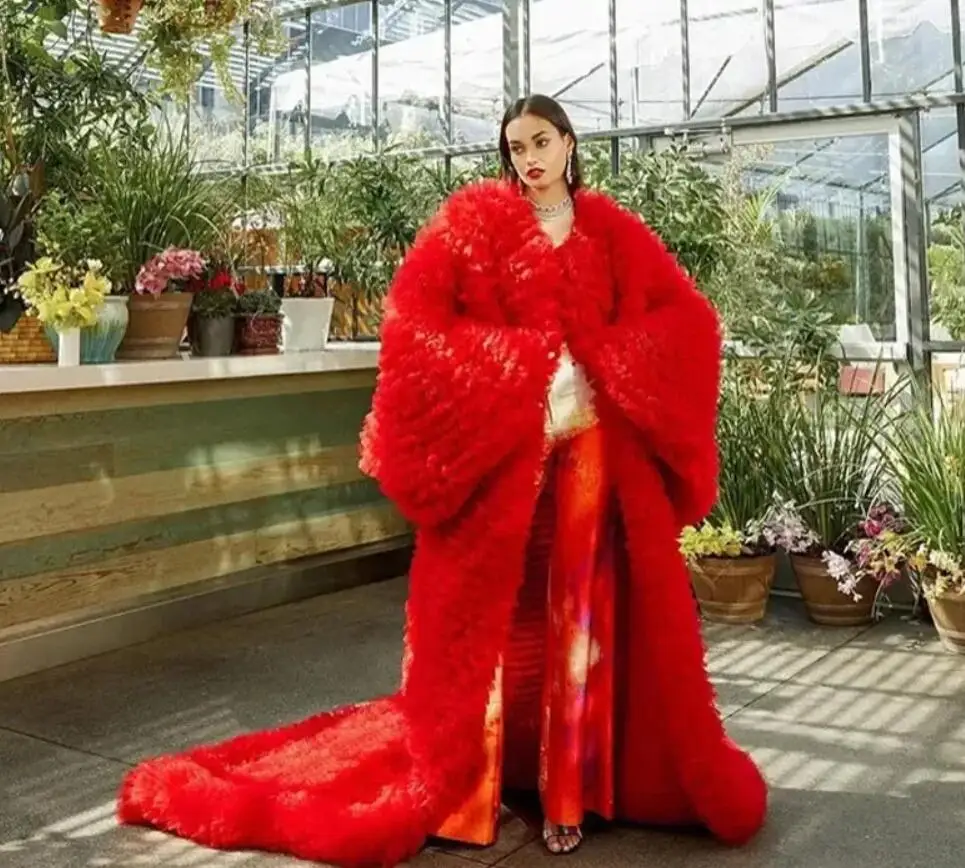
(861, 733)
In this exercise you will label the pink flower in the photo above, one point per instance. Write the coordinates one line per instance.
(174, 265)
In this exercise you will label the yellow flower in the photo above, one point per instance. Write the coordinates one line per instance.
(27, 281)
(96, 284)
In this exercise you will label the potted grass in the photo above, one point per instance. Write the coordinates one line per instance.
(732, 555)
(833, 476)
(145, 213)
(927, 458)
(258, 322)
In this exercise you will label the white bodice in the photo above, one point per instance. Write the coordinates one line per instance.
(569, 407)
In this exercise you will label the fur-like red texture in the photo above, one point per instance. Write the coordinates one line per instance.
(475, 321)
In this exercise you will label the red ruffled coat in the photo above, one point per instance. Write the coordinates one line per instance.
(474, 323)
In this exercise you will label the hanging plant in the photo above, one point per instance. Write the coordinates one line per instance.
(184, 34)
(119, 16)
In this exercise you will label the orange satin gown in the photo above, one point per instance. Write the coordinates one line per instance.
(553, 695)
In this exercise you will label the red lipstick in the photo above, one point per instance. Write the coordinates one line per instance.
(534, 174)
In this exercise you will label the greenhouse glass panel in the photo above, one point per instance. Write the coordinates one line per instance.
(414, 117)
(942, 175)
(411, 74)
(818, 54)
(650, 80)
(846, 162)
(728, 66)
(832, 238)
(339, 70)
(217, 123)
(477, 70)
(278, 134)
(570, 58)
(911, 45)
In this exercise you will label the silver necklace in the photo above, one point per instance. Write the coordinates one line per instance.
(552, 212)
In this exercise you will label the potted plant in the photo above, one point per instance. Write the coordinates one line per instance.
(213, 321)
(360, 215)
(307, 309)
(731, 556)
(880, 552)
(833, 476)
(927, 458)
(258, 323)
(119, 16)
(941, 576)
(68, 302)
(160, 306)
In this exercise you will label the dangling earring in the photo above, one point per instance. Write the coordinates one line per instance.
(569, 168)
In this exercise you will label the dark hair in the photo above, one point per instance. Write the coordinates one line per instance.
(549, 110)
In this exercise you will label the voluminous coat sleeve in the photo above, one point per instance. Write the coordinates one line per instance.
(454, 396)
(659, 362)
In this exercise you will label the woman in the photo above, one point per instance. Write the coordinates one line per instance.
(545, 416)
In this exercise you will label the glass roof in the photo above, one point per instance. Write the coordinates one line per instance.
(817, 58)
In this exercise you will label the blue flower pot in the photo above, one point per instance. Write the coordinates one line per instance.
(99, 343)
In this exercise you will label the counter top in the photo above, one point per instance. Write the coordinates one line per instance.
(16, 379)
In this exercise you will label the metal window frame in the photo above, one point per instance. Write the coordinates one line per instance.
(512, 65)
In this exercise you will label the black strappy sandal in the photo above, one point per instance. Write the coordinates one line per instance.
(559, 834)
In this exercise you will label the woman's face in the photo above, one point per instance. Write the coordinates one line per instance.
(538, 151)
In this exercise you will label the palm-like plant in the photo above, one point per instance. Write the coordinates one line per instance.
(134, 203)
(836, 462)
(927, 461)
(751, 456)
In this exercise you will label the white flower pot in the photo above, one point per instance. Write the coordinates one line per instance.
(68, 348)
(307, 323)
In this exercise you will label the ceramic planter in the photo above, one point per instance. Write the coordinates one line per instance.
(258, 335)
(306, 324)
(733, 590)
(99, 343)
(213, 336)
(156, 326)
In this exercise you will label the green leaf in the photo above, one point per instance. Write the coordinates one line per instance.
(58, 28)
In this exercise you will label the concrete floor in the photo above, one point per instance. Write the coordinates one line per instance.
(860, 731)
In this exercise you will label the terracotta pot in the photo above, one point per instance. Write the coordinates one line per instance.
(156, 325)
(948, 613)
(119, 16)
(257, 335)
(733, 590)
(825, 603)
